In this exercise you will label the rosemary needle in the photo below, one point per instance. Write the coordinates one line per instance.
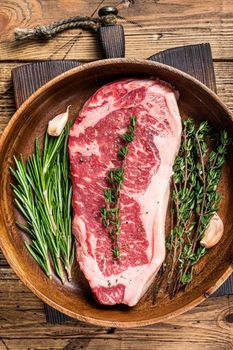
(43, 196)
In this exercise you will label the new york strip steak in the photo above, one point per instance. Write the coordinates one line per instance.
(95, 139)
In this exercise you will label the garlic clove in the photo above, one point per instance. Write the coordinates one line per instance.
(57, 124)
(213, 233)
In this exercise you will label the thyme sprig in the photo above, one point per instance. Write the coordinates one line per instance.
(43, 195)
(110, 213)
(194, 199)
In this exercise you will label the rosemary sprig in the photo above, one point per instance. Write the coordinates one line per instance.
(196, 176)
(43, 195)
(26, 203)
(110, 213)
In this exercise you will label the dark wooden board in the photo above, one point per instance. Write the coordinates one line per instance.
(29, 77)
(193, 59)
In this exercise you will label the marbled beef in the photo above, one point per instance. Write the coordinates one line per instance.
(95, 139)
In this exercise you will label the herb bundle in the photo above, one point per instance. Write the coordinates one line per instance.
(194, 199)
(110, 213)
(43, 196)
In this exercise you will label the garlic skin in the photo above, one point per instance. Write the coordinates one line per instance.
(57, 124)
(213, 233)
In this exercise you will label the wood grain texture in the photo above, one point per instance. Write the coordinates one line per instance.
(29, 77)
(112, 39)
(23, 326)
(170, 23)
(152, 26)
(195, 60)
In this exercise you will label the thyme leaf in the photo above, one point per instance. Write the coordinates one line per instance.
(123, 152)
(110, 213)
(194, 200)
(129, 135)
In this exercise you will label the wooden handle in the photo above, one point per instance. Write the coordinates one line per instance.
(112, 39)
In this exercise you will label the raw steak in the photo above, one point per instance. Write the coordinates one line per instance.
(95, 139)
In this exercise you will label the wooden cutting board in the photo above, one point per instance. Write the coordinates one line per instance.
(195, 60)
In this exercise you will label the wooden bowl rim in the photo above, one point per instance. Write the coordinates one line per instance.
(10, 258)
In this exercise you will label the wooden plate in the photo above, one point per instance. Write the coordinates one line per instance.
(73, 88)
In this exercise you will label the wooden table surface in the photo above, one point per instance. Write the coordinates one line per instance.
(150, 26)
